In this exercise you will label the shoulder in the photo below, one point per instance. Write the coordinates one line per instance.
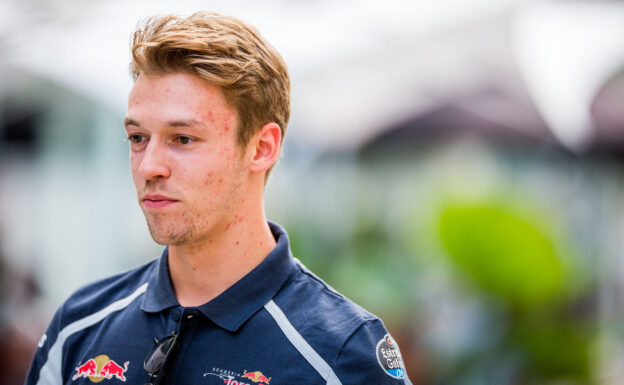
(97, 295)
(350, 340)
(323, 316)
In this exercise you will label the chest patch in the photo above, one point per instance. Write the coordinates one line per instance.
(230, 377)
(389, 357)
(101, 368)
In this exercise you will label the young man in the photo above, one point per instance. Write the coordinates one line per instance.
(226, 303)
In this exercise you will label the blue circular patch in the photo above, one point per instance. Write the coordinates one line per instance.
(389, 357)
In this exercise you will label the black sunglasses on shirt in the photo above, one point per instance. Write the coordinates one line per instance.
(157, 357)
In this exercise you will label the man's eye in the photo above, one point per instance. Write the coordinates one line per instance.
(184, 139)
(136, 138)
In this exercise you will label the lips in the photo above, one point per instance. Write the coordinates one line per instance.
(154, 201)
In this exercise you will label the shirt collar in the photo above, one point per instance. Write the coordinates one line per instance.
(159, 294)
(240, 301)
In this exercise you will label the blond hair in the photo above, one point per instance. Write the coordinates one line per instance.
(227, 53)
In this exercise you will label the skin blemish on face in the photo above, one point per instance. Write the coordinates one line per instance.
(227, 226)
(208, 179)
(237, 242)
(229, 151)
(208, 117)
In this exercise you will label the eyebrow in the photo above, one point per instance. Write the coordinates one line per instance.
(172, 123)
(185, 123)
(131, 122)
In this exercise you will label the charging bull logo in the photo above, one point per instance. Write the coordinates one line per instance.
(100, 368)
(256, 376)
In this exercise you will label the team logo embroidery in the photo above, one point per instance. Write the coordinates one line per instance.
(256, 376)
(100, 368)
(389, 357)
(229, 377)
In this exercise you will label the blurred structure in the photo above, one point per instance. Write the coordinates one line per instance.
(456, 168)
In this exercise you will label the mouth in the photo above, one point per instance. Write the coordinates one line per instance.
(157, 201)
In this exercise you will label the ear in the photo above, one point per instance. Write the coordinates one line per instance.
(265, 147)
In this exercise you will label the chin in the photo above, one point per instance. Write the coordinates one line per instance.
(171, 239)
(170, 236)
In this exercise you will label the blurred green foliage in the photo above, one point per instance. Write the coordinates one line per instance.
(504, 253)
(508, 253)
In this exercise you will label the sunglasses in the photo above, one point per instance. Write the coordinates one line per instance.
(157, 357)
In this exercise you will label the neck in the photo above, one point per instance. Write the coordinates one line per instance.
(203, 270)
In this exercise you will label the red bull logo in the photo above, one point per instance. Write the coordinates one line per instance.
(256, 376)
(99, 368)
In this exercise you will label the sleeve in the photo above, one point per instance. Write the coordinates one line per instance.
(43, 352)
(371, 356)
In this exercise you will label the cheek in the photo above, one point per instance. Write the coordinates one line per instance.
(228, 155)
(216, 177)
(209, 179)
(210, 171)
(135, 161)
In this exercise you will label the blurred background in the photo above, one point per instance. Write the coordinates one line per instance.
(454, 166)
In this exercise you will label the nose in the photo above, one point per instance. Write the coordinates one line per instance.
(154, 164)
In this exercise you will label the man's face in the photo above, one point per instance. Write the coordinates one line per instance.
(186, 164)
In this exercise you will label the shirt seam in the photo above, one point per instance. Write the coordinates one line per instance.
(344, 344)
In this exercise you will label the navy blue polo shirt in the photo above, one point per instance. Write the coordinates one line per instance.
(278, 325)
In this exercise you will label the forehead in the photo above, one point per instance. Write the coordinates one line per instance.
(176, 96)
